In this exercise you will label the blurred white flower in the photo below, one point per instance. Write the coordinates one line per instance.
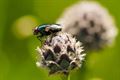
(90, 23)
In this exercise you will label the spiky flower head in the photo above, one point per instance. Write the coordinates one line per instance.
(61, 53)
(90, 23)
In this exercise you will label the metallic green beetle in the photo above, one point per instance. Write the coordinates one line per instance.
(46, 29)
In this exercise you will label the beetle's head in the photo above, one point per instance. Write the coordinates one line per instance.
(35, 31)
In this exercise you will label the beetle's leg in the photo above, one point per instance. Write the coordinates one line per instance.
(37, 36)
(40, 36)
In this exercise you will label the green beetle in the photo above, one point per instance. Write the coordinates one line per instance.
(46, 29)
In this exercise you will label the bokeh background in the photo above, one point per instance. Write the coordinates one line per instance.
(17, 44)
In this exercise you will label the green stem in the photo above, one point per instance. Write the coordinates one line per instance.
(68, 77)
(65, 77)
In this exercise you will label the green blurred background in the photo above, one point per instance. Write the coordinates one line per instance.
(17, 44)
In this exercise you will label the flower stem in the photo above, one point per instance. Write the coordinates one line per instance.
(64, 77)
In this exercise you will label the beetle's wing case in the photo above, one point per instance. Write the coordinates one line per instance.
(55, 26)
